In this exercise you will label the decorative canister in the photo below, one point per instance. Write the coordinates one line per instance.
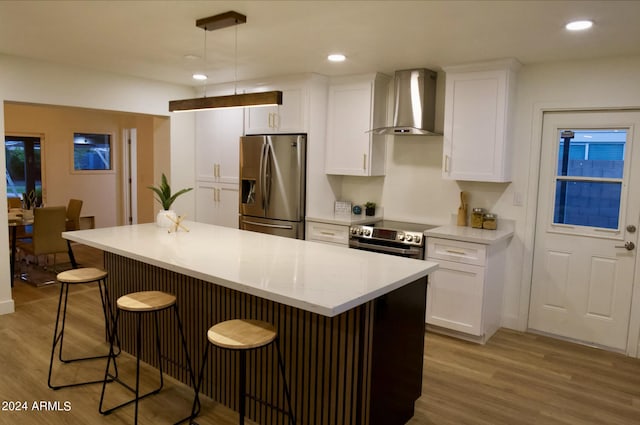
(477, 215)
(490, 221)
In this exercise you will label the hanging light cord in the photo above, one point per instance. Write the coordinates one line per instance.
(235, 77)
(204, 81)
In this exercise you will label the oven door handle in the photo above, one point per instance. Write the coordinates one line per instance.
(353, 243)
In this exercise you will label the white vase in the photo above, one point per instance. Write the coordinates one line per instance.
(162, 219)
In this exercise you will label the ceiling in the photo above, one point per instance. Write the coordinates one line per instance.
(152, 39)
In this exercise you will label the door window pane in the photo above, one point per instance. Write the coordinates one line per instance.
(590, 173)
(91, 151)
(593, 153)
(593, 204)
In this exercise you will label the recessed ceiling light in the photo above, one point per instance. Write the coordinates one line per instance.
(579, 25)
(336, 57)
(199, 77)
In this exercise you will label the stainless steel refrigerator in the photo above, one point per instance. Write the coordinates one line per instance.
(272, 184)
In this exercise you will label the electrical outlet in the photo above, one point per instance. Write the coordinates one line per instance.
(517, 199)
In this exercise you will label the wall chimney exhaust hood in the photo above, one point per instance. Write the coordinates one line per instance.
(414, 103)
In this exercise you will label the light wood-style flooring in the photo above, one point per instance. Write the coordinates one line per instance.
(515, 379)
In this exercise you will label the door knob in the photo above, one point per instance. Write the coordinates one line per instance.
(627, 245)
(631, 228)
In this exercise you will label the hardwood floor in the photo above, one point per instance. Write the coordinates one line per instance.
(517, 378)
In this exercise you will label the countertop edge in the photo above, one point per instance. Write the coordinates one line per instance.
(319, 308)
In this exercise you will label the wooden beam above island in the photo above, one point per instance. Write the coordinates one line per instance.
(351, 322)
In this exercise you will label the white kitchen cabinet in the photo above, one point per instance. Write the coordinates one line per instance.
(357, 104)
(477, 136)
(217, 203)
(217, 137)
(464, 296)
(337, 234)
(290, 117)
(217, 134)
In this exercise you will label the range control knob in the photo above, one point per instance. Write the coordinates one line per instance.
(409, 238)
(354, 230)
(360, 232)
(367, 232)
(417, 239)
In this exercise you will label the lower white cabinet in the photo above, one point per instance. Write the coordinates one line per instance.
(217, 203)
(337, 234)
(464, 296)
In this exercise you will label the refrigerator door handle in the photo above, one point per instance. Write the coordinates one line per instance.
(262, 173)
(267, 177)
(273, 226)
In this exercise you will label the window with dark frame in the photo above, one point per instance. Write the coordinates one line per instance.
(91, 152)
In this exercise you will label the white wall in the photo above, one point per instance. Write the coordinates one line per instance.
(413, 189)
(24, 80)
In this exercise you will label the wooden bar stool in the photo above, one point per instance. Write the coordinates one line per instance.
(242, 335)
(66, 279)
(140, 303)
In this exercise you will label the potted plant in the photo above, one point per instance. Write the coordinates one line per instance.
(370, 208)
(166, 199)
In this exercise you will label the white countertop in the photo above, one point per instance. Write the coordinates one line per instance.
(312, 276)
(470, 234)
(346, 219)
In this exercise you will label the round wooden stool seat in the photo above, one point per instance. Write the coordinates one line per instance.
(241, 334)
(82, 275)
(146, 301)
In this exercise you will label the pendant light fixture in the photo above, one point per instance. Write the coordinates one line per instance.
(235, 100)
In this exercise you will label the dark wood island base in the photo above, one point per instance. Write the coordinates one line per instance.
(363, 366)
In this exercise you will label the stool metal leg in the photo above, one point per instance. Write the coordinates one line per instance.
(242, 391)
(287, 393)
(192, 377)
(198, 385)
(135, 390)
(196, 404)
(58, 339)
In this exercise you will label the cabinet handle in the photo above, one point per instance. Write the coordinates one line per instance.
(217, 195)
(328, 233)
(453, 251)
(446, 163)
(276, 120)
(364, 162)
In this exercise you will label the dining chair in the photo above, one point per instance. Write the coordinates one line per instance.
(48, 225)
(73, 214)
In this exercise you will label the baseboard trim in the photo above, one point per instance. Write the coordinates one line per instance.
(7, 307)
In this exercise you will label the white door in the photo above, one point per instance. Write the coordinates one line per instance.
(588, 211)
(129, 177)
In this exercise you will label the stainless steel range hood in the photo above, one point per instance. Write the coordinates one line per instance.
(414, 103)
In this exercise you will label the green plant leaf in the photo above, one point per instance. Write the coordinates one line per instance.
(164, 193)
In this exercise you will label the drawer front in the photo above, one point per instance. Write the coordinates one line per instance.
(457, 251)
(324, 232)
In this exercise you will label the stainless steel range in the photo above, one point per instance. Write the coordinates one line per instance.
(390, 237)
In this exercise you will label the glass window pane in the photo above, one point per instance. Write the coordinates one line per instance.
(91, 151)
(592, 153)
(593, 204)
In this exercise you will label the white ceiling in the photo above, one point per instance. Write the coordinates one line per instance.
(151, 38)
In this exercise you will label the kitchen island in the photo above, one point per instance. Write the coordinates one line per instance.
(351, 322)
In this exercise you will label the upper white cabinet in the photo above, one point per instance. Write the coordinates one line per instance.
(478, 100)
(290, 117)
(356, 105)
(217, 145)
